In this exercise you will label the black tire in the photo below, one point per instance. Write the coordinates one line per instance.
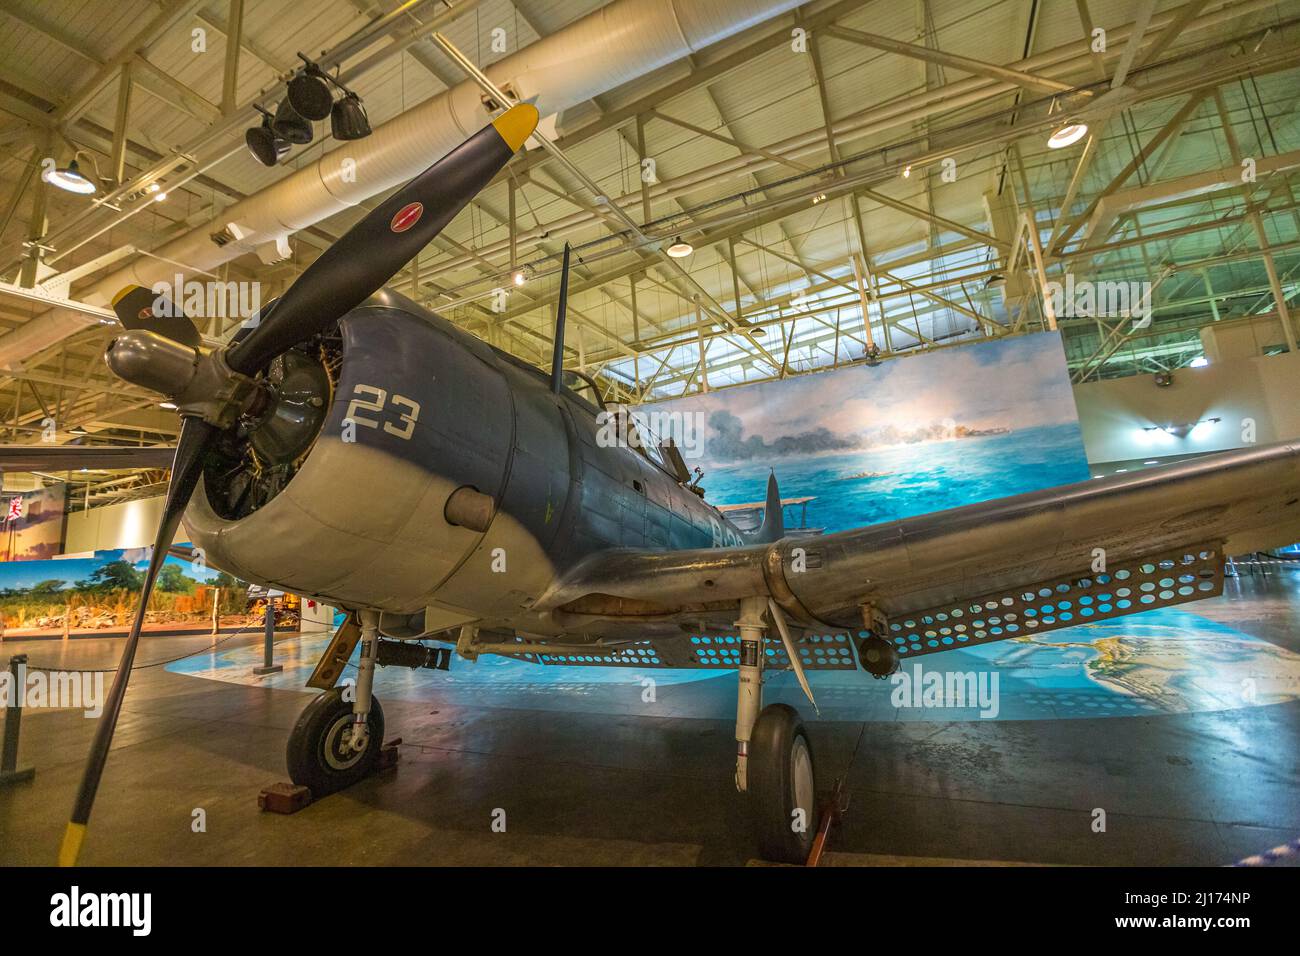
(782, 779)
(313, 754)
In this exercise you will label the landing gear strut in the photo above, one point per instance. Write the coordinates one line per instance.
(336, 742)
(774, 759)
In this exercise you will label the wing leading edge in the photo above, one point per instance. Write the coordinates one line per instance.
(1179, 520)
(72, 457)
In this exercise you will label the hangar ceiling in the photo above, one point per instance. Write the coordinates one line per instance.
(904, 143)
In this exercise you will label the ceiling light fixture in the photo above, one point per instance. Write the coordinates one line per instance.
(69, 177)
(263, 142)
(680, 249)
(519, 278)
(159, 197)
(348, 119)
(290, 125)
(1067, 135)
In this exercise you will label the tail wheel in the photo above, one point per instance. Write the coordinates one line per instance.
(320, 752)
(782, 785)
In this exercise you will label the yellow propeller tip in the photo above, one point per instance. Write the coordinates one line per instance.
(71, 848)
(517, 123)
(126, 290)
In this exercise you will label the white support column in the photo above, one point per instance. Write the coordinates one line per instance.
(365, 669)
(749, 688)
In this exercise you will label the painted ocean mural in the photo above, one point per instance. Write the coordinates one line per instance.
(866, 445)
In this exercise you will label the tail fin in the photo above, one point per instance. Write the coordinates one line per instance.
(773, 527)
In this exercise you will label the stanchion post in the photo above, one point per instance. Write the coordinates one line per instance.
(268, 665)
(9, 770)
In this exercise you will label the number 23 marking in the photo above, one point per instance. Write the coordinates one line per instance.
(376, 402)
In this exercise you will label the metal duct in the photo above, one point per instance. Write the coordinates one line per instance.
(616, 44)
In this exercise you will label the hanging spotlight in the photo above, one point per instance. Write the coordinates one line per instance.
(348, 118)
(290, 125)
(69, 177)
(310, 96)
(519, 278)
(309, 92)
(1067, 135)
(159, 197)
(907, 171)
(680, 249)
(263, 142)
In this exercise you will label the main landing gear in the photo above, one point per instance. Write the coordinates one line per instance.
(774, 758)
(336, 742)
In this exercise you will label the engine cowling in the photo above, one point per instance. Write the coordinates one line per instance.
(339, 488)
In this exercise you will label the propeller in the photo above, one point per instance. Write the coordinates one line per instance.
(213, 389)
(372, 251)
(141, 308)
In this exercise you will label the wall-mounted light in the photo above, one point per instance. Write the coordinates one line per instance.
(1181, 430)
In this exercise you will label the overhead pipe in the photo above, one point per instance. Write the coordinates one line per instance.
(609, 47)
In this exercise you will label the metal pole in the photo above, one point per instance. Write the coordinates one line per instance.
(557, 356)
(9, 772)
(268, 665)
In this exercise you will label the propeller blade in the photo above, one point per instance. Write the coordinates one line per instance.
(186, 469)
(372, 251)
(141, 308)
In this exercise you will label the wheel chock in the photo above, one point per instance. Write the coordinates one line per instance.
(388, 754)
(283, 798)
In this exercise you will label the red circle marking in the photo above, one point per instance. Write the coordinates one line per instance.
(146, 313)
(407, 217)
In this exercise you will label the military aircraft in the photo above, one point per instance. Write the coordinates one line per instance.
(356, 448)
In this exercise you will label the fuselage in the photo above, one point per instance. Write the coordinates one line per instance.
(419, 410)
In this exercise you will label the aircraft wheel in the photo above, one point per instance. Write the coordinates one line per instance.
(318, 754)
(781, 784)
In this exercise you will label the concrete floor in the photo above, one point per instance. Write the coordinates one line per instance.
(605, 787)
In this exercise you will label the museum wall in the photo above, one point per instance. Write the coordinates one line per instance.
(130, 524)
(1116, 414)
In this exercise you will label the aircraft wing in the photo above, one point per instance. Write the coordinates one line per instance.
(75, 457)
(1004, 568)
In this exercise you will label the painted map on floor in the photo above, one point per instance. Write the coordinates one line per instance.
(1165, 661)
(866, 445)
